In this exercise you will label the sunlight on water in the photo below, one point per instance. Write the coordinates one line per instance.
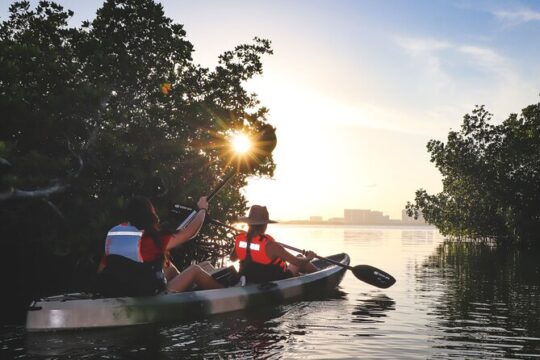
(450, 301)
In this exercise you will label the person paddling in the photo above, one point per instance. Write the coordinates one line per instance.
(134, 263)
(262, 259)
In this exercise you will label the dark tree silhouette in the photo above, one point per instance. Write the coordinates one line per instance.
(94, 114)
(491, 179)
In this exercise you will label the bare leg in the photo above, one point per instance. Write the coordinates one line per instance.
(193, 275)
(170, 271)
(305, 268)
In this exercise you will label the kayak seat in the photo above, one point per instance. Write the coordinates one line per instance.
(227, 276)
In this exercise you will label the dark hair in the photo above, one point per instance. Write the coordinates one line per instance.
(140, 213)
(256, 229)
(253, 230)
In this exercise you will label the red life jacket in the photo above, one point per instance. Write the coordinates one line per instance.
(257, 250)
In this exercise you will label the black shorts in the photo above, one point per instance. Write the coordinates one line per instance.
(260, 273)
(125, 277)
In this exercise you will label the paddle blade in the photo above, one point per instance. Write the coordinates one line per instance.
(373, 276)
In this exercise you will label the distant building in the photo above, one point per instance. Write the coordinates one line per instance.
(336, 220)
(362, 217)
(353, 216)
(406, 219)
(365, 217)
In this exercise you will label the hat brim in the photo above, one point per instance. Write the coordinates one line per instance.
(249, 221)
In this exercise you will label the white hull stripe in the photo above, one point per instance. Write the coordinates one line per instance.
(243, 245)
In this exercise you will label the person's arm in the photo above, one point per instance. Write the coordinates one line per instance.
(102, 264)
(275, 250)
(233, 256)
(193, 227)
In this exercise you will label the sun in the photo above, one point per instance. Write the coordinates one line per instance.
(241, 143)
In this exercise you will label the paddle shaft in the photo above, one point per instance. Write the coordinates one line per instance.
(317, 256)
(190, 217)
(221, 184)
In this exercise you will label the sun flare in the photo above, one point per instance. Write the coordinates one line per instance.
(241, 143)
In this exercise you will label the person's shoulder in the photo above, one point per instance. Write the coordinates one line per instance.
(166, 236)
(271, 243)
(165, 239)
(119, 226)
(269, 237)
(274, 249)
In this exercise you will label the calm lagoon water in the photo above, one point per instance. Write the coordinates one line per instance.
(450, 301)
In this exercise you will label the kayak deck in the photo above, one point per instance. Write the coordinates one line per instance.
(80, 311)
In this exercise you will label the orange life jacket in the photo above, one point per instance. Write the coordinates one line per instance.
(257, 250)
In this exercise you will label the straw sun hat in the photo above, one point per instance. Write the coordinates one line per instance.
(258, 215)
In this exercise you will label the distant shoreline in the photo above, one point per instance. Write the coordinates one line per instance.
(307, 222)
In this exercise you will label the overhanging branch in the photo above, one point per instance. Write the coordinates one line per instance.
(33, 194)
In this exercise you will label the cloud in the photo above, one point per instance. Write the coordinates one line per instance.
(441, 56)
(485, 59)
(428, 52)
(465, 72)
(418, 46)
(517, 16)
(485, 54)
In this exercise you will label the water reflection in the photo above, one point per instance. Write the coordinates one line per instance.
(372, 309)
(11, 342)
(244, 335)
(416, 237)
(489, 302)
(265, 333)
(139, 342)
(364, 236)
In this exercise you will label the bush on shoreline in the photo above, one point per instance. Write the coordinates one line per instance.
(491, 179)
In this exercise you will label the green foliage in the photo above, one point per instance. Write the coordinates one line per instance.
(114, 108)
(491, 179)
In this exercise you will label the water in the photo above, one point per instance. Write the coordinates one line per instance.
(450, 301)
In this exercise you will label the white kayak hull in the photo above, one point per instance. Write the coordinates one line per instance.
(78, 311)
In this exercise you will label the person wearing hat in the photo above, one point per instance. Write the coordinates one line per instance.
(262, 259)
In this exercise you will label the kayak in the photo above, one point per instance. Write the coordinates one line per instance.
(82, 311)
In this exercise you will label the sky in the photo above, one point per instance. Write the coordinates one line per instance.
(356, 89)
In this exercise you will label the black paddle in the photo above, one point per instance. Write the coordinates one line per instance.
(190, 217)
(366, 273)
